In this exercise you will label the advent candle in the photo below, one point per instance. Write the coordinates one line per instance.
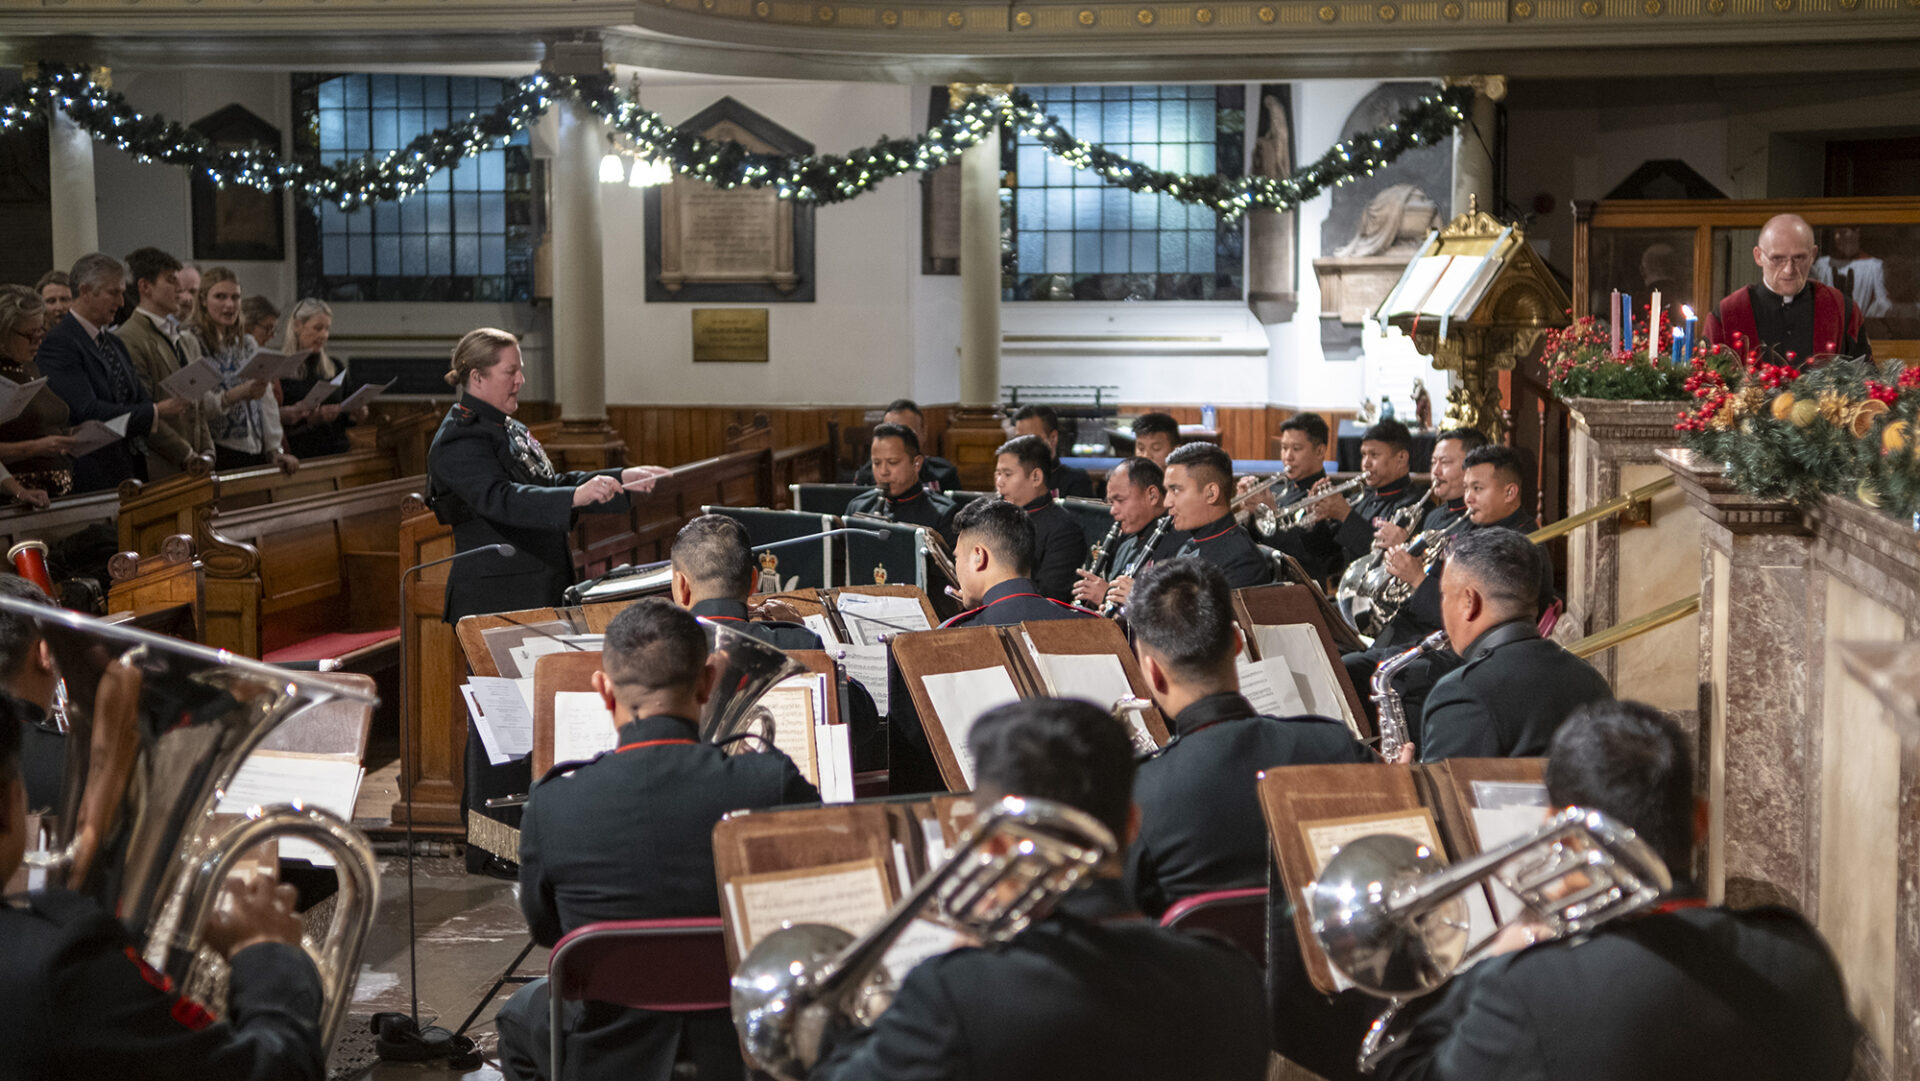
(1686, 357)
(1626, 324)
(1613, 321)
(1653, 326)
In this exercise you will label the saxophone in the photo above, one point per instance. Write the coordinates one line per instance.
(1393, 716)
(1139, 559)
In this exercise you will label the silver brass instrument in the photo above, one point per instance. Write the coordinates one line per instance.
(1101, 554)
(1140, 557)
(1365, 576)
(1391, 917)
(801, 978)
(1393, 714)
(1237, 503)
(1267, 521)
(745, 670)
(158, 729)
(1128, 711)
(628, 582)
(1391, 593)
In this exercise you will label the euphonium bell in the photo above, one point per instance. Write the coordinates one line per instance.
(157, 729)
(745, 668)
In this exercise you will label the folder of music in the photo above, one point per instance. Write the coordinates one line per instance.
(786, 845)
(955, 675)
(1295, 605)
(1311, 810)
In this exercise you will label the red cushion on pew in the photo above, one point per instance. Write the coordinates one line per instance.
(328, 646)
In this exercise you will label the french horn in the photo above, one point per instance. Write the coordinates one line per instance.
(158, 728)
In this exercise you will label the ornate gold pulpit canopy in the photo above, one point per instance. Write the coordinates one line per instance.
(1477, 300)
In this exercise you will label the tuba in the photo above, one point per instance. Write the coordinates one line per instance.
(157, 729)
(801, 979)
(1393, 921)
(746, 669)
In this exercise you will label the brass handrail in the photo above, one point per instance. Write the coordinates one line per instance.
(1604, 640)
(1593, 514)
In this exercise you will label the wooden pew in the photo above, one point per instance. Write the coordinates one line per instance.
(308, 576)
(811, 463)
(62, 518)
(600, 542)
(170, 577)
(261, 485)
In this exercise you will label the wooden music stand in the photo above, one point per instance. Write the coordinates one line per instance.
(797, 839)
(472, 632)
(1085, 637)
(552, 674)
(1293, 604)
(941, 652)
(1449, 790)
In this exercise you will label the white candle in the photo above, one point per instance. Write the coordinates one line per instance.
(1653, 326)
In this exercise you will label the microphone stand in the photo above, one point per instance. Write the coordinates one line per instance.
(401, 1038)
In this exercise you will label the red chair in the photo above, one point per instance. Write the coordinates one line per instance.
(1239, 916)
(675, 966)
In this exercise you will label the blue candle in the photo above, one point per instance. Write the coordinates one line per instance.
(1687, 356)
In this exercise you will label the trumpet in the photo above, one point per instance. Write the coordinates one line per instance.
(1392, 919)
(802, 978)
(1267, 521)
(1393, 714)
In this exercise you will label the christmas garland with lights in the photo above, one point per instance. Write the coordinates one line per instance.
(1846, 427)
(817, 178)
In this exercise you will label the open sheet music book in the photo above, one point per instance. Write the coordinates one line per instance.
(313, 780)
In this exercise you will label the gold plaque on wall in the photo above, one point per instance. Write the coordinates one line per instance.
(730, 334)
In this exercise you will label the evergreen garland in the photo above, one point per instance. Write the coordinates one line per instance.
(815, 178)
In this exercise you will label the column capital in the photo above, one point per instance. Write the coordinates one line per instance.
(1491, 87)
(958, 93)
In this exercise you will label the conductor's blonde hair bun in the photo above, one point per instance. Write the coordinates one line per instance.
(478, 351)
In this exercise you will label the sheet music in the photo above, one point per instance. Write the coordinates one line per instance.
(822, 626)
(91, 435)
(532, 649)
(868, 617)
(851, 896)
(362, 394)
(582, 726)
(1496, 826)
(1269, 687)
(501, 642)
(502, 715)
(959, 698)
(791, 702)
(266, 777)
(192, 382)
(922, 939)
(834, 744)
(272, 364)
(14, 397)
(867, 666)
(1327, 836)
(321, 390)
(1314, 681)
(1099, 678)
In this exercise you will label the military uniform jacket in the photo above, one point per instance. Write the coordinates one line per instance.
(1700, 993)
(938, 474)
(1293, 491)
(1015, 600)
(1442, 516)
(1059, 547)
(79, 1003)
(773, 632)
(1064, 479)
(1224, 544)
(1200, 823)
(1126, 550)
(1326, 547)
(918, 505)
(488, 478)
(1420, 616)
(43, 755)
(1514, 691)
(1091, 993)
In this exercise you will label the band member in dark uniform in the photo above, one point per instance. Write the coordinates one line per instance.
(80, 1002)
(899, 493)
(1059, 544)
(1199, 491)
(627, 836)
(993, 558)
(1515, 688)
(1303, 450)
(938, 474)
(1448, 492)
(1062, 478)
(713, 575)
(1200, 823)
(488, 478)
(1683, 990)
(1094, 990)
(1155, 435)
(1136, 497)
(29, 682)
(1341, 532)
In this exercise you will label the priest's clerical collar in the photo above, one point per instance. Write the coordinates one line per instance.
(1786, 301)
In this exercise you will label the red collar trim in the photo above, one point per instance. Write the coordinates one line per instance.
(729, 619)
(960, 617)
(1008, 597)
(653, 743)
(1679, 903)
(903, 498)
(1216, 536)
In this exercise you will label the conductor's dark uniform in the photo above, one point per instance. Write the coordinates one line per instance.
(1509, 698)
(1091, 993)
(1200, 823)
(79, 1002)
(918, 505)
(1224, 544)
(1700, 993)
(628, 836)
(488, 478)
(1059, 547)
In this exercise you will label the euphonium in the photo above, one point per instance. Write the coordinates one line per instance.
(1391, 918)
(158, 728)
(1393, 714)
(745, 670)
(800, 979)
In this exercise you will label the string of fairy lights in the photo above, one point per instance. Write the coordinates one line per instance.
(815, 178)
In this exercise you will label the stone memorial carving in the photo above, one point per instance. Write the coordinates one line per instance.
(1271, 291)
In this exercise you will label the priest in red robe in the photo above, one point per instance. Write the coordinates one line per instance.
(1789, 317)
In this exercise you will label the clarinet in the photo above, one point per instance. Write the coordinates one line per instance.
(1099, 554)
(1139, 558)
(1393, 716)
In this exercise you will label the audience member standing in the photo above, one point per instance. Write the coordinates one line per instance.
(151, 336)
(319, 429)
(189, 279)
(90, 370)
(248, 432)
(55, 293)
(259, 318)
(33, 445)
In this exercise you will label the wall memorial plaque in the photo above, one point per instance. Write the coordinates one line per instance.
(730, 334)
(739, 244)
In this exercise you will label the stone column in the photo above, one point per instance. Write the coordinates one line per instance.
(974, 429)
(585, 439)
(1472, 147)
(76, 218)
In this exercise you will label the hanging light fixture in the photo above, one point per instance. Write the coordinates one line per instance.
(649, 172)
(612, 169)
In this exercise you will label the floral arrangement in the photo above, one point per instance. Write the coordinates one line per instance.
(1581, 363)
(1844, 427)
